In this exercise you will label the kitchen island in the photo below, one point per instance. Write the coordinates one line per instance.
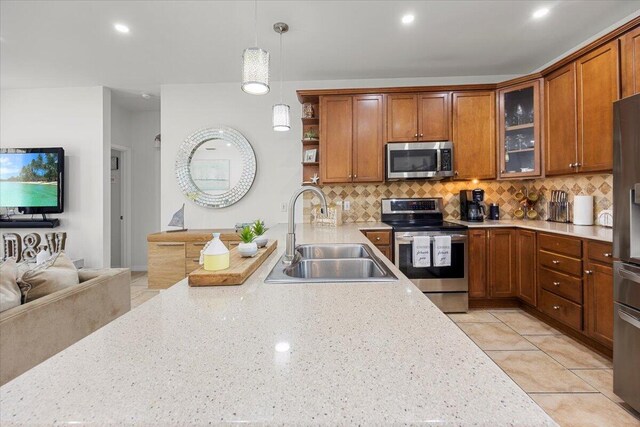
(339, 353)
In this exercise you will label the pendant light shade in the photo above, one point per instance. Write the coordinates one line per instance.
(281, 110)
(255, 71)
(281, 118)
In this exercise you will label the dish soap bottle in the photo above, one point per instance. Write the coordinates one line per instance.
(216, 254)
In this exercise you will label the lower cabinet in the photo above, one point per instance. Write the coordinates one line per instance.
(598, 302)
(526, 267)
(566, 278)
(502, 262)
(382, 240)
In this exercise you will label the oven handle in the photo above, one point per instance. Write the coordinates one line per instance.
(454, 237)
(438, 160)
(629, 275)
(629, 319)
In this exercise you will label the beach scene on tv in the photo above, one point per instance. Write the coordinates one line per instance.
(28, 179)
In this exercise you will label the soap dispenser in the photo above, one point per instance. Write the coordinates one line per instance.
(215, 254)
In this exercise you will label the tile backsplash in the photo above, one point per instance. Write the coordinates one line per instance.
(365, 198)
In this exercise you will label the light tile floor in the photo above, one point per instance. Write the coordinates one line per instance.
(573, 384)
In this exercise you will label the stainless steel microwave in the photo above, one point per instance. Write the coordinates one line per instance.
(419, 160)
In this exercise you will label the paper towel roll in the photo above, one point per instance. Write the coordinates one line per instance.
(583, 210)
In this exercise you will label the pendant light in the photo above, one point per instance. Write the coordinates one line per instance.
(255, 65)
(281, 110)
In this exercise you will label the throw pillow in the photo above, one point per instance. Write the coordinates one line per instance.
(55, 274)
(10, 295)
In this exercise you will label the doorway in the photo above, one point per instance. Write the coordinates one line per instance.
(120, 206)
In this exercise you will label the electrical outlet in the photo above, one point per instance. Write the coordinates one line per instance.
(283, 207)
(346, 205)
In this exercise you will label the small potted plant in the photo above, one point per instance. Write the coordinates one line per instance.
(248, 247)
(259, 229)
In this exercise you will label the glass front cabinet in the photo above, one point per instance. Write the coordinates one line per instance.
(520, 131)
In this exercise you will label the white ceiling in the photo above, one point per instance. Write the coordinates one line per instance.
(73, 43)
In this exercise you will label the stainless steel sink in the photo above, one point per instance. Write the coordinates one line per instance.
(332, 263)
(333, 251)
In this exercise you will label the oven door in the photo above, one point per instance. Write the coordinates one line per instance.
(452, 278)
(413, 160)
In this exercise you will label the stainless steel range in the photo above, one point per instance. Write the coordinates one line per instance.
(446, 284)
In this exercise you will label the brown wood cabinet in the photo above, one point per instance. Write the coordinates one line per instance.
(519, 131)
(579, 113)
(598, 294)
(171, 256)
(561, 125)
(474, 135)
(598, 88)
(630, 52)
(418, 117)
(502, 262)
(351, 139)
(526, 266)
(382, 240)
(336, 139)
(477, 263)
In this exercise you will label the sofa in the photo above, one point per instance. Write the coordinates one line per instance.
(31, 333)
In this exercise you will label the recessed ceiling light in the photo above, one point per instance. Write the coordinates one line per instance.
(121, 28)
(146, 96)
(542, 12)
(408, 19)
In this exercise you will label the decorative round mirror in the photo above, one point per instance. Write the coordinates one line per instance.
(215, 167)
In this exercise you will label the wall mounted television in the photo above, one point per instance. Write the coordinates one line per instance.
(32, 180)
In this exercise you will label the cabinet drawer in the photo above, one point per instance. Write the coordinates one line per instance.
(560, 284)
(166, 263)
(379, 238)
(560, 263)
(191, 264)
(386, 250)
(561, 309)
(561, 245)
(194, 248)
(599, 251)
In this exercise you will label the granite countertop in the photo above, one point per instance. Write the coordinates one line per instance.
(593, 232)
(340, 353)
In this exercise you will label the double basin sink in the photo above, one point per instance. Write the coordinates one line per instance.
(345, 262)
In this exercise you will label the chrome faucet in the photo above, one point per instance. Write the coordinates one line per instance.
(290, 252)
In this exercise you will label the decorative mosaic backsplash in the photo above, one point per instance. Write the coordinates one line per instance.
(365, 199)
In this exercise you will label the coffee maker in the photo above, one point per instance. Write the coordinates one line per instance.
(472, 205)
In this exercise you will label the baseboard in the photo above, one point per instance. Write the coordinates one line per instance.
(138, 268)
(493, 303)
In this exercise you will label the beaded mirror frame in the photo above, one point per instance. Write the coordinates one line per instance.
(183, 161)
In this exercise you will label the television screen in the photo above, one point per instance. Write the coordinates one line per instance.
(31, 179)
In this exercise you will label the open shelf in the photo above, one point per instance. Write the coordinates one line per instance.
(311, 163)
(310, 141)
(519, 127)
(310, 121)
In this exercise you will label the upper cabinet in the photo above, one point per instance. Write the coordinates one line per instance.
(579, 113)
(351, 139)
(630, 49)
(474, 135)
(598, 88)
(519, 131)
(418, 117)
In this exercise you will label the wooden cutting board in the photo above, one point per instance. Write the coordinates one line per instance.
(240, 268)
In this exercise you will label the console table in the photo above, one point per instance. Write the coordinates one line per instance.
(173, 255)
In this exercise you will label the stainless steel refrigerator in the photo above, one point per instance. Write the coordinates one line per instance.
(626, 250)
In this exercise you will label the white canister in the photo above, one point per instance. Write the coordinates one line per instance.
(583, 210)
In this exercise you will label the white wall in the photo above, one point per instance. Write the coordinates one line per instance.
(78, 120)
(187, 108)
(145, 192)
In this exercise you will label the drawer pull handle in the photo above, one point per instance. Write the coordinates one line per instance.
(556, 307)
(608, 254)
(588, 272)
(556, 283)
(555, 261)
(170, 244)
(199, 244)
(377, 238)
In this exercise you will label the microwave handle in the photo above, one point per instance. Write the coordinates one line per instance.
(438, 160)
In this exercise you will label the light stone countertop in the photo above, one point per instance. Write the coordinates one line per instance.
(359, 353)
(593, 232)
